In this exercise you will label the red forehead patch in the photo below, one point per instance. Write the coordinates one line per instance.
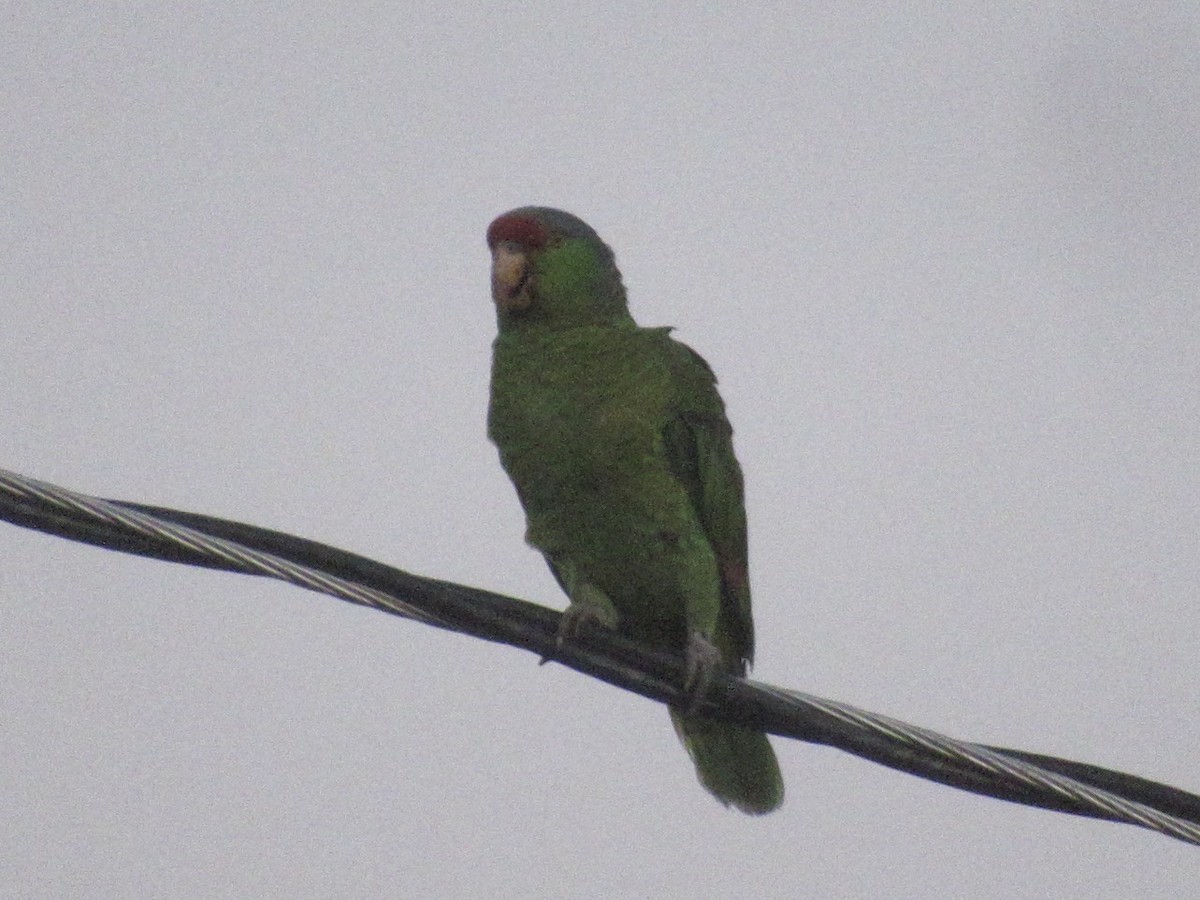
(519, 229)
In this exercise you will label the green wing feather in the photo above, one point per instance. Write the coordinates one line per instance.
(736, 764)
(699, 445)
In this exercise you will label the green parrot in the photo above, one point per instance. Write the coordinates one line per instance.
(617, 443)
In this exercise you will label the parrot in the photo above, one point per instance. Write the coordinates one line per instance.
(618, 445)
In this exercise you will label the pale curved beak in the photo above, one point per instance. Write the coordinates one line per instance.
(510, 273)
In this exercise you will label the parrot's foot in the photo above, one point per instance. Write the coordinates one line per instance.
(703, 661)
(589, 605)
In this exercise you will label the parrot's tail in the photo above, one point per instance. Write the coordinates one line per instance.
(735, 764)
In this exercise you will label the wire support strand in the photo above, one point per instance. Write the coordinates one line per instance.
(228, 554)
(193, 539)
(1113, 806)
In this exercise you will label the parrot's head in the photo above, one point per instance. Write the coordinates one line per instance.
(551, 269)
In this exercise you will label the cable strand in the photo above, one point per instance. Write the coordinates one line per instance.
(194, 539)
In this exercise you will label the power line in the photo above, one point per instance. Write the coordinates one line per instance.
(193, 539)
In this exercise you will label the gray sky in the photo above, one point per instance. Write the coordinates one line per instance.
(944, 261)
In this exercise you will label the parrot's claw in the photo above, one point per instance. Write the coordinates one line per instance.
(594, 608)
(703, 661)
(574, 617)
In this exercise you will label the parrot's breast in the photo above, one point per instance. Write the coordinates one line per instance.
(579, 420)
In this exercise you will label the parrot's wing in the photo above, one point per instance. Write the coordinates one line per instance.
(699, 446)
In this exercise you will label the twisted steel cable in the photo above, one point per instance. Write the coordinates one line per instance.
(190, 538)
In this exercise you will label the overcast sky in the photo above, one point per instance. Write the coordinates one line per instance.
(944, 260)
